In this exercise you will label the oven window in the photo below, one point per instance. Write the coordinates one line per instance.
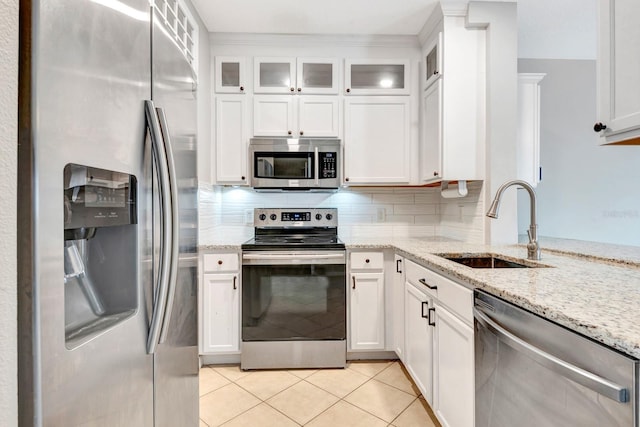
(284, 165)
(293, 302)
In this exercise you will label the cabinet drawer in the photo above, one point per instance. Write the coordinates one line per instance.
(367, 261)
(421, 277)
(458, 298)
(220, 262)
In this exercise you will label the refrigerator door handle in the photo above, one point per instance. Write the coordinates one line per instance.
(175, 247)
(162, 287)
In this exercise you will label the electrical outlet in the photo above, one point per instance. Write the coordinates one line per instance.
(248, 216)
(381, 215)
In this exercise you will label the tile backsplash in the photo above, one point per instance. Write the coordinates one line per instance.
(226, 213)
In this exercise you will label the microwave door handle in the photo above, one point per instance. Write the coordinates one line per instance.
(588, 379)
(317, 167)
(173, 196)
(162, 286)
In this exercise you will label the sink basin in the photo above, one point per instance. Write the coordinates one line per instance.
(489, 261)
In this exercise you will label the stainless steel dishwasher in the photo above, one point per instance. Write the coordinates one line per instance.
(532, 372)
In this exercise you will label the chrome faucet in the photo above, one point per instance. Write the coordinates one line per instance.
(533, 247)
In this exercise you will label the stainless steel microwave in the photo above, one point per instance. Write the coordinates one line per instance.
(295, 164)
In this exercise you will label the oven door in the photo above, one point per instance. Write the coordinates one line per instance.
(293, 296)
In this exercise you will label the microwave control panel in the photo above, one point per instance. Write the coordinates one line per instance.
(328, 165)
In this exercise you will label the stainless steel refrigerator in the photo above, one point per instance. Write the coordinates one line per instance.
(108, 217)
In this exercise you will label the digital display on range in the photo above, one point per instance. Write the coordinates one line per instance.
(296, 216)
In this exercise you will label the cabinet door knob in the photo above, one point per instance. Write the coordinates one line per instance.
(348, 90)
(299, 89)
(219, 262)
(435, 72)
(242, 178)
(435, 173)
(599, 126)
(346, 179)
(291, 89)
(289, 132)
(367, 260)
(241, 88)
(301, 133)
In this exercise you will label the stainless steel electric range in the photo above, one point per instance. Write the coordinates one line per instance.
(294, 291)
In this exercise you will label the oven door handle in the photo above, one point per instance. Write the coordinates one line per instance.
(588, 379)
(310, 258)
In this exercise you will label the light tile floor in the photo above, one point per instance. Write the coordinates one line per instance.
(365, 394)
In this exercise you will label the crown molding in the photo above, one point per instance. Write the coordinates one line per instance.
(302, 40)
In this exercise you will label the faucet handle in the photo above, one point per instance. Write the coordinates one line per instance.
(529, 234)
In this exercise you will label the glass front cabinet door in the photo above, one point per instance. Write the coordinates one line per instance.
(230, 74)
(377, 77)
(296, 75)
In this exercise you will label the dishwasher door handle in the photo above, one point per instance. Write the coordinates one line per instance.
(588, 379)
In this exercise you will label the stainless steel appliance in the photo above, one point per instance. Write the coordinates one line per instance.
(108, 209)
(294, 291)
(532, 372)
(295, 164)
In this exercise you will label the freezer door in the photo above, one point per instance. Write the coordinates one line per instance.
(88, 71)
(176, 357)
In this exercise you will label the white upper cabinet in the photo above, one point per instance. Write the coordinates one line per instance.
(296, 75)
(282, 115)
(231, 139)
(431, 158)
(377, 77)
(619, 70)
(433, 60)
(377, 140)
(230, 75)
(452, 110)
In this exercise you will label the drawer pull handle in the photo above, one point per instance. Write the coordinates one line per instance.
(354, 282)
(424, 282)
(431, 310)
(425, 304)
(398, 261)
(235, 278)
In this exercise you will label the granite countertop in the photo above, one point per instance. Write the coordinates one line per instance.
(595, 292)
(591, 288)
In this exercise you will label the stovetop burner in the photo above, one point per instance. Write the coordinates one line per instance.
(278, 229)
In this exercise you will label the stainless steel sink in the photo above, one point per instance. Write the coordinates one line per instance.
(489, 261)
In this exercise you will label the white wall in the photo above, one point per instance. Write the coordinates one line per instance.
(8, 178)
(588, 191)
(553, 29)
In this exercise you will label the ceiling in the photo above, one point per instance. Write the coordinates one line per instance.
(400, 17)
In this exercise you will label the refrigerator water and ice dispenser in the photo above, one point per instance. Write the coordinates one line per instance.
(100, 251)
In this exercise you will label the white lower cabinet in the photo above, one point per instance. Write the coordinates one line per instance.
(418, 358)
(453, 386)
(366, 301)
(366, 311)
(220, 308)
(438, 343)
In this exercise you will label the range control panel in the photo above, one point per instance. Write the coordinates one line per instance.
(295, 217)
